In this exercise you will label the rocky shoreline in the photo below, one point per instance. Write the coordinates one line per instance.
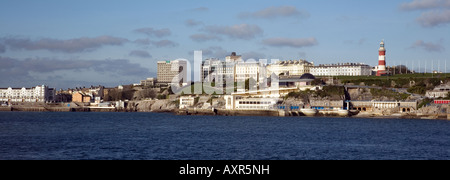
(160, 107)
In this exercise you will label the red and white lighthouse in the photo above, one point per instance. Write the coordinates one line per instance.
(381, 60)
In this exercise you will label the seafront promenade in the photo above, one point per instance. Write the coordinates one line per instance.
(225, 112)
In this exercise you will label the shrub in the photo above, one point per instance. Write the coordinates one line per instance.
(418, 89)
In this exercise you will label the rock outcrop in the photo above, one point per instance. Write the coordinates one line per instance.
(164, 105)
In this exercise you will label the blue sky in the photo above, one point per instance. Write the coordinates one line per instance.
(82, 43)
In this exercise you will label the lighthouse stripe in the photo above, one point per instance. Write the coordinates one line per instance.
(382, 53)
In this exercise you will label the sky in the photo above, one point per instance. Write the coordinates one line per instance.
(67, 44)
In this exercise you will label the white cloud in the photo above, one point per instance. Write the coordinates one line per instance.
(23, 70)
(200, 9)
(140, 53)
(437, 11)
(241, 31)
(204, 37)
(429, 46)
(192, 23)
(290, 42)
(434, 18)
(159, 44)
(154, 32)
(165, 43)
(275, 12)
(424, 4)
(67, 46)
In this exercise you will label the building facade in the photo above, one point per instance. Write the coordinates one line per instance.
(81, 97)
(344, 69)
(248, 103)
(249, 70)
(172, 71)
(233, 58)
(209, 69)
(35, 94)
(148, 82)
(215, 70)
(291, 68)
(440, 91)
(95, 93)
(186, 101)
(401, 106)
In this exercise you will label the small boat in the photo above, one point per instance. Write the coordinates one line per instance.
(309, 112)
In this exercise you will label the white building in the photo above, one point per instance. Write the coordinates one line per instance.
(247, 103)
(209, 69)
(172, 71)
(440, 91)
(257, 100)
(215, 70)
(186, 101)
(345, 69)
(291, 67)
(247, 70)
(233, 58)
(35, 94)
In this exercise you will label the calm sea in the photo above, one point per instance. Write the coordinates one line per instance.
(34, 135)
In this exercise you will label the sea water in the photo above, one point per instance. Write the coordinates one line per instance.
(69, 135)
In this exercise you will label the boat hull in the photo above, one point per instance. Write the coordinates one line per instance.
(309, 112)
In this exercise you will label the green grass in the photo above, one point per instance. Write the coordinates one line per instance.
(397, 76)
(397, 81)
(389, 94)
(205, 89)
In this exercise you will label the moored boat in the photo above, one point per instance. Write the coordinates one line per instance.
(309, 112)
(343, 112)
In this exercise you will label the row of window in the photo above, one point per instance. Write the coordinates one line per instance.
(254, 107)
(255, 102)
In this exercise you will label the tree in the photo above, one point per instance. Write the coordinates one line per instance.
(418, 89)
(146, 93)
(400, 69)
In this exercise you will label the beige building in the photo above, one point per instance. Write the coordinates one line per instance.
(401, 106)
(172, 71)
(291, 67)
(148, 82)
(81, 97)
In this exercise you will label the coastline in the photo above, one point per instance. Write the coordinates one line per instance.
(223, 112)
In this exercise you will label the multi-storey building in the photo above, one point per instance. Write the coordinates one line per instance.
(215, 70)
(233, 58)
(148, 82)
(291, 68)
(250, 70)
(344, 69)
(209, 69)
(35, 94)
(172, 71)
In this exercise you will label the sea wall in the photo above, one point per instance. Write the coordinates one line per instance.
(223, 112)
